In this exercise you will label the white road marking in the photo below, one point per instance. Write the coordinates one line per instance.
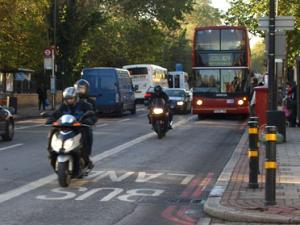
(102, 125)
(31, 126)
(43, 181)
(124, 120)
(11, 146)
(143, 115)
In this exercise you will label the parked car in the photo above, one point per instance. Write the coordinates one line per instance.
(111, 88)
(180, 99)
(7, 124)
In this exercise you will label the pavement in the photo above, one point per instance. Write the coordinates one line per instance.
(232, 200)
(30, 112)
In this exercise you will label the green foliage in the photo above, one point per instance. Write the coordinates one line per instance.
(246, 13)
(23, 33)
(258, 57)
(100, 33)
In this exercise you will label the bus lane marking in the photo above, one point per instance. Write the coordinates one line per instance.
(193, 190)
(114, 193)
(6, 196)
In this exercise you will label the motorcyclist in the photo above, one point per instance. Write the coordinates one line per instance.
(82, 87)
(160, 94)
(72, 106)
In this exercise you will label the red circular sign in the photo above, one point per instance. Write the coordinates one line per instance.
(47, 52)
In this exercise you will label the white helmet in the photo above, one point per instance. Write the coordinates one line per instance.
(70, 93)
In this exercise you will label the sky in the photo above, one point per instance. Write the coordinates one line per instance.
(224, 6)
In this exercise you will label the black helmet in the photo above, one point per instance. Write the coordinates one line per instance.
(157, 89)
(70, 96)
(82, 87)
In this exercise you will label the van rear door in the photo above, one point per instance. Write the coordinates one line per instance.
(103, 85)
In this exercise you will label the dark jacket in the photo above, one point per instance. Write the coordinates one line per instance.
(90, 101)
(78, 110)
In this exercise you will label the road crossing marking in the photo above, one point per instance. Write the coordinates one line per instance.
(11, 146)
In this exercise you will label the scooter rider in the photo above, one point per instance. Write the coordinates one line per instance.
(82, 87)
(160, 94)
(72, 106)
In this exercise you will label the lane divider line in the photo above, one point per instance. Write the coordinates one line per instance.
(101, 125)
(31, 126)
(11, 146)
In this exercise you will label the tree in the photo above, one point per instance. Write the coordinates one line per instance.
(23, 33)
(258, 57)
(246, 13)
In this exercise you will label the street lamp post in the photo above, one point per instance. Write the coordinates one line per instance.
(53, 77)
(271, 59)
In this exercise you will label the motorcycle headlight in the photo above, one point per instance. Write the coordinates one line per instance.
(68, 145)
(56, 144)
(180, 103)
(72, 143)
(158, 110)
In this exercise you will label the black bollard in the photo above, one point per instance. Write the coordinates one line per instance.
(270, 166)
(253, 154)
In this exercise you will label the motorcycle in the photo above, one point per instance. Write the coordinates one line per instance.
(159, 117)
(66, 149)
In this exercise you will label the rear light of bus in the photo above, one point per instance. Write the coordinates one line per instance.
(199, 102)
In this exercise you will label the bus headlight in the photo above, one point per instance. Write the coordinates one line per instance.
(180, 103)
(158, 110)
(199, 102)
(240, 102)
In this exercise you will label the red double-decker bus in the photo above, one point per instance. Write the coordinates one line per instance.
(221, 65)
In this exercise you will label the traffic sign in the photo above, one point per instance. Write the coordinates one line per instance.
(281, 23)
(47, 53)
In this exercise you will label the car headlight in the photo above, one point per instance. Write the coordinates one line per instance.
(180, 103)
(56, 144)
(158, 110)
(199, 102)
(240, 102)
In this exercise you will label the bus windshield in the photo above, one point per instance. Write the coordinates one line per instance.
(220, 81)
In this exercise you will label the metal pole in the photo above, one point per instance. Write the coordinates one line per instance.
(270, 166)
(53, 78)
(271, 57)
